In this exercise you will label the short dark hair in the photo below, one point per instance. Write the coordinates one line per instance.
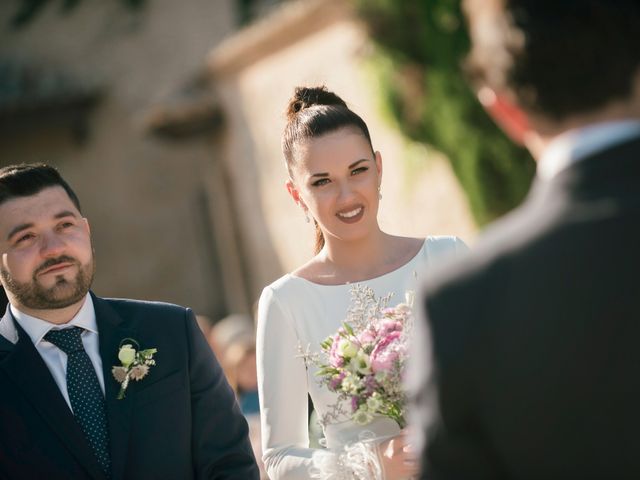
(559, 57)
(29, 179)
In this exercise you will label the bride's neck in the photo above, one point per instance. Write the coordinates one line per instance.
(359, 257)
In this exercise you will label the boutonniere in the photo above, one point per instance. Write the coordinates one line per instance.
(135, 364)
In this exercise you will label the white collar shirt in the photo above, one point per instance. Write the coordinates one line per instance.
(56, 359)
(575, 145)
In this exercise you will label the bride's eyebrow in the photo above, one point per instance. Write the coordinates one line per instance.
(353, 165)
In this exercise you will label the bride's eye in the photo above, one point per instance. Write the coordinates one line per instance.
(320, 182)
(358, 170)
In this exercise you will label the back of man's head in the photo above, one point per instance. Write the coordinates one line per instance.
(29, 179)
(559, 58)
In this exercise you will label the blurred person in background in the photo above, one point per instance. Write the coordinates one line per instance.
(233, 339)
(534, 335)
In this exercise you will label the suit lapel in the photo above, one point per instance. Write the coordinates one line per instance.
(24, 366)
(112, 329)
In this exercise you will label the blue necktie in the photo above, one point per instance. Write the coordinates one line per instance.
(85, 394)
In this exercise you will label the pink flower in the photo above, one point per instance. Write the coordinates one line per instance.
(388, 326)
(367, 336)
(335, 382)
(386, 352)
(355, 402)
(335, 359)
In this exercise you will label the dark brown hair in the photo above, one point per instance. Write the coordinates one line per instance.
(311, 113)
(559, 57)
(29, 179)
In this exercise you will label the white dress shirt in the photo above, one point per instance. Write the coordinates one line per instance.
(575, 145)
(56, 359)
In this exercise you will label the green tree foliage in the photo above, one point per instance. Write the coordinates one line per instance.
(423, 44)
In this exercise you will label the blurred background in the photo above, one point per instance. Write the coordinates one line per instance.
(166, 118)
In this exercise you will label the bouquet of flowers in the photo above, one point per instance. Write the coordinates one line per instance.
(363, 361)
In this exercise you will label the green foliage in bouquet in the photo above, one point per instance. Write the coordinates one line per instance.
(421, 45)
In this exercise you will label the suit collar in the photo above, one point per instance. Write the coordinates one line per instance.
(608, 174)
(24, 366)
(112, 330)
(575, 145)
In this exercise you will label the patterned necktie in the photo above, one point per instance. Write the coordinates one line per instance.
(85, 394)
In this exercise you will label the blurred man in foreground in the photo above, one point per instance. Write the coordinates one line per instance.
(534, 336)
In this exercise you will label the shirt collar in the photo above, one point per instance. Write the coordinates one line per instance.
(575, 145)
(37, 328)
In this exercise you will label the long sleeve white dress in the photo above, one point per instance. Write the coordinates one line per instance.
(293, 313)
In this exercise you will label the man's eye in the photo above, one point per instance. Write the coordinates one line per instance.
(358, 170)
(24, 238)
(322, 181)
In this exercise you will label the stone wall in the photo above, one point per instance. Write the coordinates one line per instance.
(148, 200)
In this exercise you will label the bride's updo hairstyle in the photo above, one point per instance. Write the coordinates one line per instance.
(313, 112)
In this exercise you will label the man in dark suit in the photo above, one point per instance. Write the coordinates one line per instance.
(164, 412)
(534, 335)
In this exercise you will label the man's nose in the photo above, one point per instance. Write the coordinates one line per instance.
(52, 245)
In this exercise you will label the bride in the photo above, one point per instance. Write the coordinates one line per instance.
(334, 177)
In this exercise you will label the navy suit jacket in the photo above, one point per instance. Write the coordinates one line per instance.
(180, 422)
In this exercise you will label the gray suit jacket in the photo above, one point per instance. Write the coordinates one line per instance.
(535, 336)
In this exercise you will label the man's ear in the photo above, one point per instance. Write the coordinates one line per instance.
(507, 115)
(86, 225)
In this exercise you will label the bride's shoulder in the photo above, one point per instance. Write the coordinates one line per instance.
(447, 242)
(407, 247)
(444, 246)
(291, 284)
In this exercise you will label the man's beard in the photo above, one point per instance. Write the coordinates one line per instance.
(62, 294)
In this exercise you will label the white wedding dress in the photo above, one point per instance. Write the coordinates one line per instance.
(295, 313)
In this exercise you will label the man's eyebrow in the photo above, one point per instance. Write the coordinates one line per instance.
(18, 228)
(354, 164)
(65, 213)
(24, 226)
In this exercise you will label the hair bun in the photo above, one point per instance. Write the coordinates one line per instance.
(305, 97)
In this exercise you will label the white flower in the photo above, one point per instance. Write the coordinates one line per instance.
(381, 377)
(362, 416)
(350, 384)
(374, 403)
(127, 355)
(360, 363)
(347, 348)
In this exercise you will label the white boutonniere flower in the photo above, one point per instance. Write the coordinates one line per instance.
(135, 364)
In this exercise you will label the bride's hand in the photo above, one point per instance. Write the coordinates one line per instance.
(398, 459)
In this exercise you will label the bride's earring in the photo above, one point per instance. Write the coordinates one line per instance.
(306, 216)
(379, 193)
